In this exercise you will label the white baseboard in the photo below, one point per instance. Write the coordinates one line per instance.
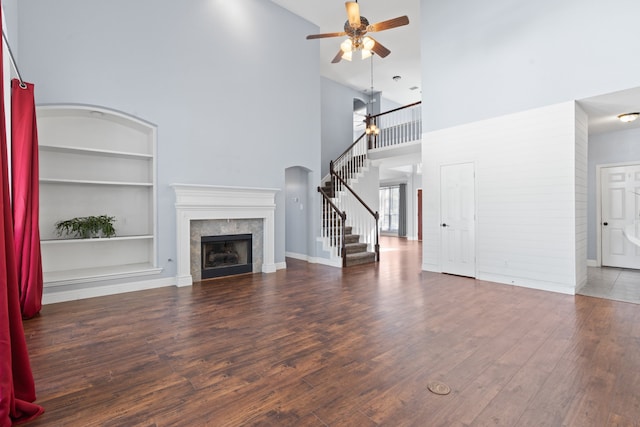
(434, 268)
(182, 281)
(269, 268)
(100, 291)
(324, 261)
(593, 263)
(315, 260)
(561, 288)
(294, 255)
(50, 297)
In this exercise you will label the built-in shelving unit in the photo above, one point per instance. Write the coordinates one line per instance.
(95, 161)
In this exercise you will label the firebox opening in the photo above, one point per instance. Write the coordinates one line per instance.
(226, 255)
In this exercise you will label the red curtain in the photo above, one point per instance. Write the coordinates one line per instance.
(24, 191)
(17, 388)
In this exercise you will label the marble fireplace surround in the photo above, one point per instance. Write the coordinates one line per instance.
(205, 202)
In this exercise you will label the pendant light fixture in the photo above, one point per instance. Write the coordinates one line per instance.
(371, 129)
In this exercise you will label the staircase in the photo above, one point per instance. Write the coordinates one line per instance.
(355, 251)
(357, 242)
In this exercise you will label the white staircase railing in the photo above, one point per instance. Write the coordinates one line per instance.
(397, 126)
(354, 158)
(358, 215)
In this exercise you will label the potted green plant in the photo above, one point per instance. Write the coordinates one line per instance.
(86, 227)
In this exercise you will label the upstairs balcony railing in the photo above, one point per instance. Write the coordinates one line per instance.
(397, 126)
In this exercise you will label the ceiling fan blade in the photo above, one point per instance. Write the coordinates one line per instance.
(388, 24)
(325, 35)
(353, 13)
(337, 58)
(379, 49)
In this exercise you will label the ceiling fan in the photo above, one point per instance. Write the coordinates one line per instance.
(355, 28)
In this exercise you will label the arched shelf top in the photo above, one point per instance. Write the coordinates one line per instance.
(94, 112)
(94, 129)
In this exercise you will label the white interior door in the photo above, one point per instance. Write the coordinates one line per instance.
(457, 204)
(620, 216)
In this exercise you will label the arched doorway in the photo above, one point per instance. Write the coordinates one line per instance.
(297, 212)
(359, 117)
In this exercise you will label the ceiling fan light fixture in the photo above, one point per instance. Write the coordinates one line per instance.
(628, 117)
(346, 46)
(355, 29)
(368, 43)
(347, 55)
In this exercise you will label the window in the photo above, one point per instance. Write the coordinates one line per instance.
(389, 209)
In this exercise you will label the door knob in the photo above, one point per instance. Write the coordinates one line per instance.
(605, 223)
(444, 225)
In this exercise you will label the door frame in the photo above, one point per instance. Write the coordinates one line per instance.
(599, 205)
(475, 211)
(419, 209)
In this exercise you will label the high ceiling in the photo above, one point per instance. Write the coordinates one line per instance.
(404, 43)
(404, 60)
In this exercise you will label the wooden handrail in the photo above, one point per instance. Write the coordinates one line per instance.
(396, 109)
(362, 202)
(350, 147)
(342, 214)
(375, 214)
(343, 217)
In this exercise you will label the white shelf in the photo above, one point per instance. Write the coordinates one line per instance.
(96, 240)
(88, 182)
(96, 161)
(71, 277)
(94, 151)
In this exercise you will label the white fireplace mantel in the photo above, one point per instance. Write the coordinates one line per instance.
(204, 202)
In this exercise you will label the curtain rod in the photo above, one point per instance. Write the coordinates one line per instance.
(13, 61)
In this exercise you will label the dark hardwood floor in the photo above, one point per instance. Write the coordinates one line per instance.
(320, 346)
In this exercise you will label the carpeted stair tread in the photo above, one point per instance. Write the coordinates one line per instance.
(351, 238)
(360, 258)
(338, 229)
(352, 248)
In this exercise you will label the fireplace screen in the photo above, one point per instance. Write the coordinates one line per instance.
(226, 255)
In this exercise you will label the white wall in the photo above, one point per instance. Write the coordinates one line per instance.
(484, 59)
(367, 186)
(387, 105)
(526, 195)
(581, 171)
(10, 13)
(337, 120)
(605, 149)
(233, 106)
